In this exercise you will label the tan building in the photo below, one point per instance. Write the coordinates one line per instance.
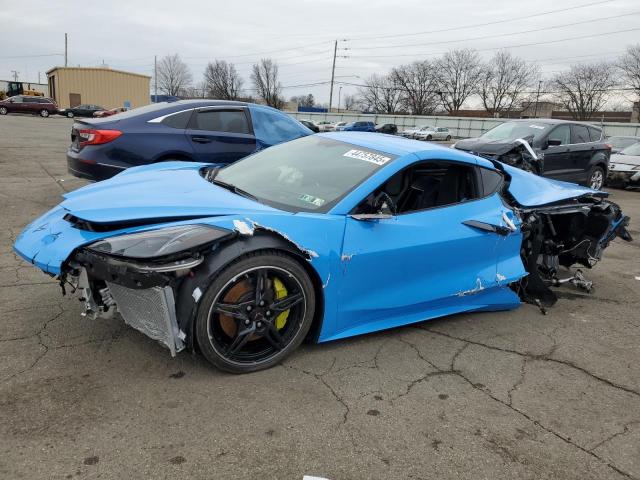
(72, 86)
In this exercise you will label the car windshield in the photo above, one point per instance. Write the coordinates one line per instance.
(514, 130)
(309, 174)
(426, 127)
(632, 150)
(622, 142)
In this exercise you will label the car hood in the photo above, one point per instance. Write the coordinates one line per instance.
(531, 190)
(626, 159)
(170, 190)
(482, 146)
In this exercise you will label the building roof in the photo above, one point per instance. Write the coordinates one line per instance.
(106, 69)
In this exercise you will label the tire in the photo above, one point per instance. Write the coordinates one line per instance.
(596, 178)
(69, 114)
(3, 110)
(236, 314)
(429, 137)
(44, 113)
(448, 138)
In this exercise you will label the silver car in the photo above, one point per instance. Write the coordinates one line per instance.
(437, 133)
(325, 126)
(411, 132)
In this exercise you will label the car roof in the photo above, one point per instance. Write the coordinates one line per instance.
(382, 142)
(551, 121)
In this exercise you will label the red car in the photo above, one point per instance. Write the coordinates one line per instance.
(108, 113)
(28, 104)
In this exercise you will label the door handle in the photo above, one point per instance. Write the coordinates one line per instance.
(201, 139)
(488, 227)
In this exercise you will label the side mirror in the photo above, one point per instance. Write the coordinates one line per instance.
(383, 207)
(554, 142)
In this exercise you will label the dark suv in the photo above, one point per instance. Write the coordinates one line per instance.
(28, 104)
(570, 151)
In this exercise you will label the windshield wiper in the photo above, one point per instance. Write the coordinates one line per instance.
(234, 189)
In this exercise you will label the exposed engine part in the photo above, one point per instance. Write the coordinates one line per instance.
(521, 155)
(565, 235)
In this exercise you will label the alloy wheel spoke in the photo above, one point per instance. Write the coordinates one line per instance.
(240, 340)
(235, 310)
(273, 337)
(286, 303)
(261, 285)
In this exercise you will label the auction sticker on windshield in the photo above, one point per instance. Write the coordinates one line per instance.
(367, 156)
(539, 127)
(318, 202)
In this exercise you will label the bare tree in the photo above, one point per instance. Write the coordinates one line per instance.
(584, 89)
(504, 82)
(222, 80)
(264, 76)
(349, 101)
(417, 84)
(380, 94)
(173, 75)
(304, 100)
(629, 65)
(459, 72)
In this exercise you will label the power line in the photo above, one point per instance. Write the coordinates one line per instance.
(499, 34)
(34, 56)
(504, 47)
(495, 22)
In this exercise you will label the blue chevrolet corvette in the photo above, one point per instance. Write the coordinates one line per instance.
(324, 237)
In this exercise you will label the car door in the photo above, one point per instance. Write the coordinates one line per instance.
(426, 262)
(581, 152)
(557, 158)
(221, 134)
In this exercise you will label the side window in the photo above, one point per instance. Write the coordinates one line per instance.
(579, 134)
(427, 185)
(562, 133)
(595, 134)
(17, 99)
(232, 121)
(491, 181)
(178, 120)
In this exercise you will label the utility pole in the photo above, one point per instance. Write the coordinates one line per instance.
(333, 73)
(339, 95)
(535, 111)
(15, 75)
(38, 77)
(155, 78)
(65, 50)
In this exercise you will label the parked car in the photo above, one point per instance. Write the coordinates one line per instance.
(436, 133)
(357, 127)
(390, 128)
(624, 168)
(411, 132)
(212, 131)
(620, 142)
(310, 125)
(84, 110)
(240, 262)
(326, 126)
(108, 113)
(28, 104)
(337, 126)
(569, 151)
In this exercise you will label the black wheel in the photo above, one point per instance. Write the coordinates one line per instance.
(69, 114)
(448, 138)
(429, 137)
(3, 110)
(596, 178)
(255, 312)
(44, 113)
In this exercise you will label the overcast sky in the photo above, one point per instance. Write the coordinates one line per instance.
(299, 34)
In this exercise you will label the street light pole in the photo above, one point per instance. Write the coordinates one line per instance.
(333, 73)
(339, 95)
(535, 111)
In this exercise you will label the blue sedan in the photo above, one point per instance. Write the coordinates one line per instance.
(219, 132)
(324, 237)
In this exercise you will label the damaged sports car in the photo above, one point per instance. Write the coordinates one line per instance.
(324, 237)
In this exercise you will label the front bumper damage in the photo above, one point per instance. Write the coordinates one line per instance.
(620, 177)
(143, 295)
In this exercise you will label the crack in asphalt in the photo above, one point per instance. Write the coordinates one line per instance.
(53, 178)
(625, 430)
(546, 357)
(510, 406)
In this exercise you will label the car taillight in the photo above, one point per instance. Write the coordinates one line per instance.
(97, 137)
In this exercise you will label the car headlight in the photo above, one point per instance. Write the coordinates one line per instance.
(159, 243)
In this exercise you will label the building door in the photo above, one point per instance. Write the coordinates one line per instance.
(74, 100)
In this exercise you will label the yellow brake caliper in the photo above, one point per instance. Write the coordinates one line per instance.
(281, 292)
